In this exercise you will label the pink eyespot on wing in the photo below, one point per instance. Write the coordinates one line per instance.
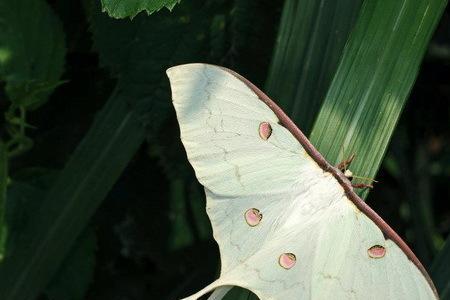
(253, 217)
(287, 260)
(376, 251)
(265, 130)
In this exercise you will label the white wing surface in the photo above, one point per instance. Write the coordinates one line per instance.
(285, 228)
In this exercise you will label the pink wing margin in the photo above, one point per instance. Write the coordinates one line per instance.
(343, 181)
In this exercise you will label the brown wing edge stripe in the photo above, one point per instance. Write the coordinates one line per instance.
(345, 183)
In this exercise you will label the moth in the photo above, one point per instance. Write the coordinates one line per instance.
(287, 222)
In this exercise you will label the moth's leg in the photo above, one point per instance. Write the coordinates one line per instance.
(362, 186)
(343, 165)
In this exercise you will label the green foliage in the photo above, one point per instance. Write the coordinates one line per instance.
(363, 104)
(31, 62)
(24, 199)
(179, 238)
(114, 136)
(310, 40)
(138, 53)
(32, 51)
(140, 68)
(373, 81)
(440, 271)
(76, 271)
(416, 183)
(130, 8)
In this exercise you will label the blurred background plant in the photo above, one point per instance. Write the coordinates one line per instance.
(97, 199)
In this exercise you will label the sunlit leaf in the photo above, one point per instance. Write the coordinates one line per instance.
(373, 81)
(309, 46)
(130, 8)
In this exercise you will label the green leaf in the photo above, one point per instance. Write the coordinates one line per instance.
(130, 8)
(181, 235)
(25, 196)
(440, 271)
(309, 46)
(75, 274)
(188, 221)
(138, 53)
(3, 186)
(82, 185)
(373, 81)
(29, 94)
(23, 199)
(32, 50)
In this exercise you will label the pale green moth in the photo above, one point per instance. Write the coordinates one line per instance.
(288, 224)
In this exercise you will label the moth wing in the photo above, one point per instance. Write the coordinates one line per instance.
(304, 209)
(332, 261)
(220, 117)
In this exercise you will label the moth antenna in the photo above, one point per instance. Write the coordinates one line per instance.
(342, 151)
(343, 165)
